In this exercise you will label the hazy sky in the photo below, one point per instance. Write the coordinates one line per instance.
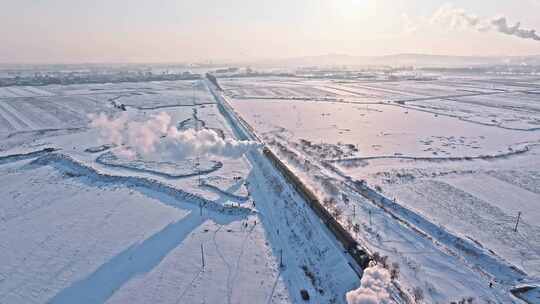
(179, 31)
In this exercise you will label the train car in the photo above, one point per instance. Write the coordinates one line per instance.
(359, 254)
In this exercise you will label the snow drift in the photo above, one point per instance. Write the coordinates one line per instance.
(373, 287)
(157, 136)
(459, 18)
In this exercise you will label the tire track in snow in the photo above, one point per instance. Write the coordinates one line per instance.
(271, 296)
(190, 285)
(242, 249)
(229, 292)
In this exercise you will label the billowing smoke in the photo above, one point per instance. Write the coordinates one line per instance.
(373, 287)
(454, 17)
(458, 18)
(502, 26)
(158, 137)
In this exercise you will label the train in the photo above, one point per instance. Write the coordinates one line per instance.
(351, 246)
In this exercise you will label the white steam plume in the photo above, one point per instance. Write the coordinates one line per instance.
(502, 26)
(373, 287)
(157, 136)
(453, 17)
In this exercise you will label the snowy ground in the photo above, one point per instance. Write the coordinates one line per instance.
(459, 155)
(81, 223)
(448, 165)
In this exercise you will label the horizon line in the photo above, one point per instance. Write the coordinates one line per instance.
(252, 61)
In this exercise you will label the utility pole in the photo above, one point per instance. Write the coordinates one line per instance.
(202, 255)
(198, 161)
(517, 221)
(281, 258)
(199, 170)
(193, 93)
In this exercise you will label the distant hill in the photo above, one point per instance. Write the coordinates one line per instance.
(417, 60)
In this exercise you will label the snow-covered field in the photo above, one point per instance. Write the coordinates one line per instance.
(119, 193)
(455, 160)
(114, 208)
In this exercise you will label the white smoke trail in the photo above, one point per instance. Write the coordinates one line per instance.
(502, 26)
(453, 17)
(373, 287)
(180, 144)
(158, 137)
(110, 129)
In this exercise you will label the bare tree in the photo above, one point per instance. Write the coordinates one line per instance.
(418, 295)
(394, 271)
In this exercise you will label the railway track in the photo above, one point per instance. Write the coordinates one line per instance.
(358, 254)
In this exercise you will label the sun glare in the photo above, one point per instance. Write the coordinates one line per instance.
(354, 9)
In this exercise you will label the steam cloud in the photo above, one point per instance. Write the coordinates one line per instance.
(502, 26)
(158, 136)
(456, 18)
(373, 287)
